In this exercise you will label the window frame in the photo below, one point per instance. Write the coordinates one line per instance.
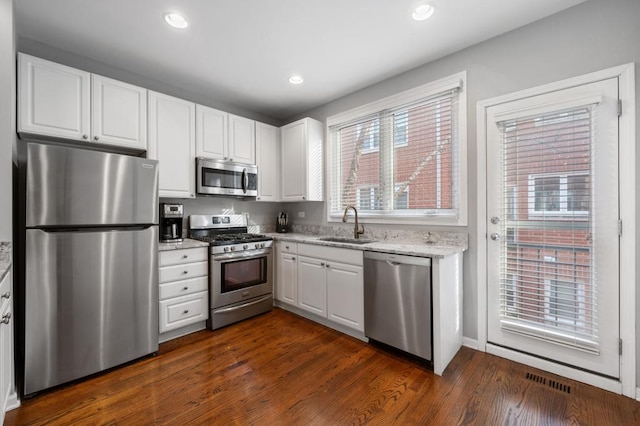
(563, 196)
(404, 216)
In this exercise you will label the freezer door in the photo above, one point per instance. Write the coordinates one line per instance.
(71, 186)
(91, 302)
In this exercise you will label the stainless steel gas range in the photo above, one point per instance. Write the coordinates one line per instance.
(240, 268)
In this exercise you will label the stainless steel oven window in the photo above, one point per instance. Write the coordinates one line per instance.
(243, 273)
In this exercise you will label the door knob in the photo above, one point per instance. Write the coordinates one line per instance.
(495, 236)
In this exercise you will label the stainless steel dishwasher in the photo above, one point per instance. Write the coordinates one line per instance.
(397, 301)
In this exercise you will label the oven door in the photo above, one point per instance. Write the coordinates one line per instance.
(240, 276)
(223, 178)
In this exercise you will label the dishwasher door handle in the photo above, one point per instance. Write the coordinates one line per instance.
(392, 263)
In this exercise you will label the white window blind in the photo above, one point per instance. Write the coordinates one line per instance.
(400, 160)
(547, 279)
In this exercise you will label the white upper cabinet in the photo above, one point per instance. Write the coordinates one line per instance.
(53, 99)
(63, 102)
(172, 142)
(242, 139)
(118, 113)
(268, 161)
(211, 133)
(302, 163)
(223, 136)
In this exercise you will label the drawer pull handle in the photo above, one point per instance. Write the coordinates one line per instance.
(185, 256)
(6, 295)
(186, 311)
(287, 247)
(185, 288)
(328, 266)
(185, 272)
(6, 318)
(321, 263)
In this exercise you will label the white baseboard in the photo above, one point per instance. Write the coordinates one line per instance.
(12, 401)
(470, 343)
(174, 334)
(638, 394)
(327, 323)
(561, 370)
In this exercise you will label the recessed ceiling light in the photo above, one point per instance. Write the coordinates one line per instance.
(422, 12)
(176, 20)
(296, 79)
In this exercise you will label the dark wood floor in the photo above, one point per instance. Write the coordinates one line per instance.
(282, 369)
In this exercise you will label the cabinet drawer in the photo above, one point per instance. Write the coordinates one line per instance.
(183, 287)
(288, 247)
(182, 311)
(183, 272)
(6, 294)
(174, 257)
(353, 257)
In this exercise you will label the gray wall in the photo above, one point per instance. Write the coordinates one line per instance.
(592, 36)
(7, 117)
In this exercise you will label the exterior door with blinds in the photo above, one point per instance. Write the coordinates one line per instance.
(553, 242)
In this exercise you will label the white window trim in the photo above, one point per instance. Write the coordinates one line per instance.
(458, 80)
(563, 212)
(627, 154)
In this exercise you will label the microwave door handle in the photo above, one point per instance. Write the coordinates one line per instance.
(245, 180)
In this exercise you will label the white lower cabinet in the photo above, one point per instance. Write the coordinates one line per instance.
(184, 288)
(312, 285)
(287, 272)
(345, 295)
(328, 281)
(6, 345)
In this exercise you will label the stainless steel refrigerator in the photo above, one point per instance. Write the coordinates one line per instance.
(90, 285)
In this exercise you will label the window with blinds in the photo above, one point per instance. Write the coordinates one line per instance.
(399, 157)
(547, 279)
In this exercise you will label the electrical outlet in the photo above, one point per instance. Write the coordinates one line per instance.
(300, 214)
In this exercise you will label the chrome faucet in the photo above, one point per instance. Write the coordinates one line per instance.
(356, 231)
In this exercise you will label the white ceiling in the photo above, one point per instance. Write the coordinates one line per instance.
(241, 53)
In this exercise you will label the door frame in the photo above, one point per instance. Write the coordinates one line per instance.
(627, 186)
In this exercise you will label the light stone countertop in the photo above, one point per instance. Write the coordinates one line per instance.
(187, 243)
(434, 247)
(5, 258)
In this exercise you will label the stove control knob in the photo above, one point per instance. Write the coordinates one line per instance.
(261, 245)
(226, 249)
(246, 246)
(232, 248)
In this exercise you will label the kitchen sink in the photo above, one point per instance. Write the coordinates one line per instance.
(346, 240)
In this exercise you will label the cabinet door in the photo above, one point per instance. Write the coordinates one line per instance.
(268, 160)
(312, 286)
(287, 290)
(294, 153)
(172, 143)
(53, 99)
(179, 312)
(242, 139)
(345, 293)
(118, 113)
(211, 133)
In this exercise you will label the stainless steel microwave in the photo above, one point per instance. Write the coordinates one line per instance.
(215, 177)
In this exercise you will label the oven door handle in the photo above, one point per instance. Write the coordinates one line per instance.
(238, 255)
(235, 308)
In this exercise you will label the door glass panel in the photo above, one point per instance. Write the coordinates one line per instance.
(546, 280)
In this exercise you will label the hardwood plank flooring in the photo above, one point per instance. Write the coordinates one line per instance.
(280, 369)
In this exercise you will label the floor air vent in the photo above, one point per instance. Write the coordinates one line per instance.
(552, 383)
(536, 378)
